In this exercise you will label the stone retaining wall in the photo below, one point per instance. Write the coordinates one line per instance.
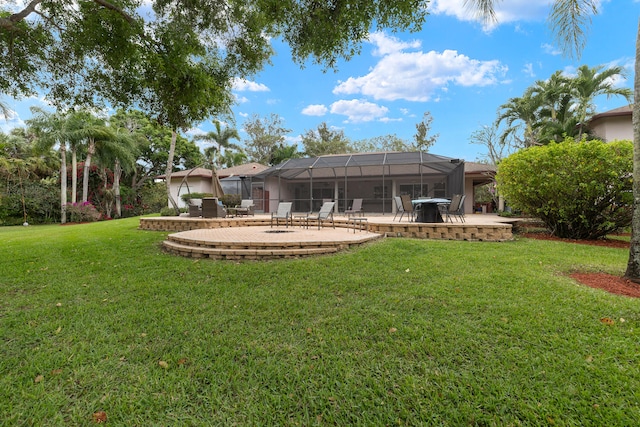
(455, 231)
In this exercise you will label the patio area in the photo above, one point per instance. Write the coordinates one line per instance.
(253, 238)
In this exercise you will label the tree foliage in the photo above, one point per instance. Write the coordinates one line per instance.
(381, 143)
(283, 152)
(581, 190)
(220, 141)
(557, 107)
(112, 48)
(324, 140)
(422, 140)
(264, 135)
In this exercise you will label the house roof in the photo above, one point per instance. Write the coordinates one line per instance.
(248, 169)
(478, 168)
(193, 173)
(627, 110)
(364, 164)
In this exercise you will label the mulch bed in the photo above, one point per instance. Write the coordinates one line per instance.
(607, 282)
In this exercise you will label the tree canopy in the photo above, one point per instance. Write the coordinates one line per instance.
(81, 52)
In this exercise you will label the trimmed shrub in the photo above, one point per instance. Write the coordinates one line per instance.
(82, 212)
(185, 197)
(580, 190)
(231, 200)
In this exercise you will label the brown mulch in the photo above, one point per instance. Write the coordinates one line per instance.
(607, 282)
(609, 243)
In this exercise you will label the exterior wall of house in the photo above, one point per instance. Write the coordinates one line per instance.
(369, 189)
(614, 128)
(192, 185)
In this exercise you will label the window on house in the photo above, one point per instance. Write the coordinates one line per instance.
(414, 190)
(439, 190)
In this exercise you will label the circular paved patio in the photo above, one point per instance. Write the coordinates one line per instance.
(264, 242)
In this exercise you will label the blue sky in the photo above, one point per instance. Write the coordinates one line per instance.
(454, 68)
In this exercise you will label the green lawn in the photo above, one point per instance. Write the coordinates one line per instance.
(96, 317)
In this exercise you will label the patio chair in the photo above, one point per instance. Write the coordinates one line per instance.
(355, 209)
(195, 207)
(325, 214)
(455, 208)
(213, 208)
(246, 207)
(399, 207)
(283, 212)
(407, 206)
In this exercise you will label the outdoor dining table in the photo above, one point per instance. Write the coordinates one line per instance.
(427, 209)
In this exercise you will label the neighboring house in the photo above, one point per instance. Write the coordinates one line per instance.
(234, 180)
(475, 175)
(375, 177)
(616, 124)
(239, 179)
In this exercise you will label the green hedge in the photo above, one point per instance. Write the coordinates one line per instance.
(581, 190)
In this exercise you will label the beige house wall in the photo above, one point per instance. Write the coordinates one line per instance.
(614, 128)
(195, 185)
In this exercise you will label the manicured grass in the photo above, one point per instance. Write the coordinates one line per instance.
(96, 317)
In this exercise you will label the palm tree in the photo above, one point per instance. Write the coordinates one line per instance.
(120, 154)
(592, 82)
(51, 130)
(94, 132)
(219, 139)
(550, 93)
(232, 158)
(520, 116)
(282, 152)
(568, 19)
(75, 120)
(19, 159)
(5, 110)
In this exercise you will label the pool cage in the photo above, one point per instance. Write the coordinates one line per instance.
(374, 177)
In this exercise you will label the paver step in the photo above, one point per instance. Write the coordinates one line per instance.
(246, 253)
(221, 244)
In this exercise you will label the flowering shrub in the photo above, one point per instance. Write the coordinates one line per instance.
(580, 190)
(82, 212)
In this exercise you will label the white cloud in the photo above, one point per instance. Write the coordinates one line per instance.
(241, 99)
(417, 76)
(246, 85)
(551, 49)
(358, 111)
(389, 120)
(315, 110)
(386, 45)
(11, 121)
(506, 11)
(195, 131)
(528, 70)
(291, 140)
(628, 64)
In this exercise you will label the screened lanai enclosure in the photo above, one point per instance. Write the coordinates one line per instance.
(374, 177)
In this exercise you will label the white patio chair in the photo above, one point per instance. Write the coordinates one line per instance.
(283, 212)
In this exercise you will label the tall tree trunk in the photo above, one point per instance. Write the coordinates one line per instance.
(63, 183)
(74, 177)
(24, 206)
(633, 266)
(91, 149)
(117, 172)
(167, 174)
